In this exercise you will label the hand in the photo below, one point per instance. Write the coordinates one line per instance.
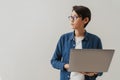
(89, 73)
(66, 66)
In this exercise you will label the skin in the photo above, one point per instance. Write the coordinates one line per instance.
(78, 26)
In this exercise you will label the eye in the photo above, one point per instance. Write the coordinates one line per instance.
(73, 17)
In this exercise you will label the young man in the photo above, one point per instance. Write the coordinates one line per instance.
(78, 39)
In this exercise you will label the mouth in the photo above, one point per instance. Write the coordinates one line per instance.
(72, 24)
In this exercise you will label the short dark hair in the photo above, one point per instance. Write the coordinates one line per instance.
(83, 12)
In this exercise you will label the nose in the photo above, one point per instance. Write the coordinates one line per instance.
(71, 20)
(71, 23)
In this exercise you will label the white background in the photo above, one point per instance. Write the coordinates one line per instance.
(30, 29)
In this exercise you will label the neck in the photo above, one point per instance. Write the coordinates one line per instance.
(79, 33)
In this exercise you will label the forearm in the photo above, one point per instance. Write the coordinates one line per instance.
(58, 64)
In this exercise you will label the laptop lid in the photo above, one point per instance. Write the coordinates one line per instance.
(90, 60)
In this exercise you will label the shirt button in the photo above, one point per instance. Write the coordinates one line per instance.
(73, 44)
(68, 76)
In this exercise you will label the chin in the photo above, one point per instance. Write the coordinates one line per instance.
(73, 27)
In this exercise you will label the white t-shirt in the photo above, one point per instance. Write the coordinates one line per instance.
(77, 75)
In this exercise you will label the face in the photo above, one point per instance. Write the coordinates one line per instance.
(76, 21)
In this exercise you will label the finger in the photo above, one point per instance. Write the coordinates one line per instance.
(90, 74)
(83, 73)
(95, 73)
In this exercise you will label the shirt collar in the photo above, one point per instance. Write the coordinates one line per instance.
(72, 37)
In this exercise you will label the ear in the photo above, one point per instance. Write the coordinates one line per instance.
(86, 20)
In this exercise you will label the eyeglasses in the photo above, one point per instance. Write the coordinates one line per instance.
(73, 18)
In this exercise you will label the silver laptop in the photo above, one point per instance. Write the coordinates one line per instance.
(90, 60)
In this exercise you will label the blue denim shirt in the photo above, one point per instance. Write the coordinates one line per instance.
(62, 52)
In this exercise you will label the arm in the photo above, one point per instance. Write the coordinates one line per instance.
(99, 47)
(57, 56)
